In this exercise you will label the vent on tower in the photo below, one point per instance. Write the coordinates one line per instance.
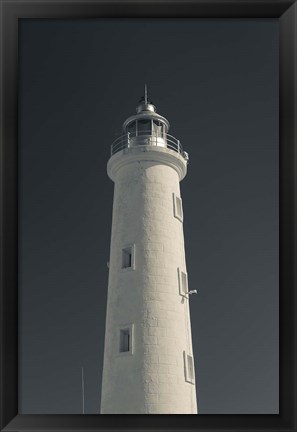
(189, 368)
(182, 282)
(177, 207)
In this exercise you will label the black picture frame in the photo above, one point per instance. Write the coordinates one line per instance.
(11, 12)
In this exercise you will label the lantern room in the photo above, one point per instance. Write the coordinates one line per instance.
(146, 128)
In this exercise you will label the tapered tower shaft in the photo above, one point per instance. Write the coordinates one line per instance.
(148, 357)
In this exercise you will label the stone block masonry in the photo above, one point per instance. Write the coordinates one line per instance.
(151, 378)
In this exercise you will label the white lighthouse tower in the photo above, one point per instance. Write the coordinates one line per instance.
(148, 358)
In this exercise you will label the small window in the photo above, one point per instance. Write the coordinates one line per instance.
(182, 282)
(177, 207)
(128, 257)
(126, 339)
(189, 368)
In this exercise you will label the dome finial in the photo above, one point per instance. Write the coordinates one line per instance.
(145, 104)
(145, 93)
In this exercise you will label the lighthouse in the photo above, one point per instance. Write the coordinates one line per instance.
(148, 357)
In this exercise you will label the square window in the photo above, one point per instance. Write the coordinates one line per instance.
(177, 207)
(128, 261)
(189, 368)
(126, 339)
(182, 282)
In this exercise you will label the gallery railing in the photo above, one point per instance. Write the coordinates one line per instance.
(146, 138)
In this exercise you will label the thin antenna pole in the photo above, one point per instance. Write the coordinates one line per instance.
(145, 94)
(83, 390)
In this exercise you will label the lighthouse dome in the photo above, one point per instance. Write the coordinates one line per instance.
(146, 119)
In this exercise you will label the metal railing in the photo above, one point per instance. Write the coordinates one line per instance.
(146, 138)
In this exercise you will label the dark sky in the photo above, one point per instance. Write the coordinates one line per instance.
(217, 83)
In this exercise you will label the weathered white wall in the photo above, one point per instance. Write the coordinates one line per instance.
(152, 380)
